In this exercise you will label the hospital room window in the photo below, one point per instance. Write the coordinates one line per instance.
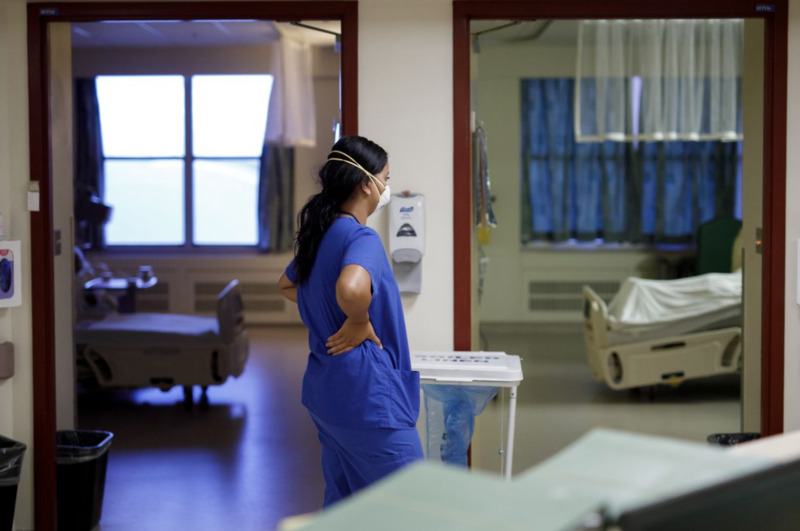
(182, 158)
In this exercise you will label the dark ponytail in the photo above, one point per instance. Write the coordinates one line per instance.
(338, 180)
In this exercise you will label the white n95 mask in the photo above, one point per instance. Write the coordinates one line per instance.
(386, 196)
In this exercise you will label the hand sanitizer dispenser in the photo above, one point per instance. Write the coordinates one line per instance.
(407, 240)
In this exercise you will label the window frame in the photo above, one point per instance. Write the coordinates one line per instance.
(188, 247)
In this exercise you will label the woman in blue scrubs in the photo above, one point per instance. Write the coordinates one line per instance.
(358, 386)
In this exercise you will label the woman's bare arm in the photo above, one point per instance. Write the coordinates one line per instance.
(288, 288)
(353, 294)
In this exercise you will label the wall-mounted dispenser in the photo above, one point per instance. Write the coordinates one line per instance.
(407, 239)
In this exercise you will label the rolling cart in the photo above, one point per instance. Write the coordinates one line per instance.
(486, 369)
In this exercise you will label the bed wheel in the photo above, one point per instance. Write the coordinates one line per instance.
(638, 392)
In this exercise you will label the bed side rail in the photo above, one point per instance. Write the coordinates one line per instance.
(671, 360)
(595, 317)
(230, 312)
(595, 336)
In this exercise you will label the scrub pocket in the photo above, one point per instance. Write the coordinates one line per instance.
(360, 389)
(403, 398)
(346, 390)
(400, 388)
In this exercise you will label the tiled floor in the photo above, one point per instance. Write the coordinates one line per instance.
(559, 401)
(246, 461)
(252, 457)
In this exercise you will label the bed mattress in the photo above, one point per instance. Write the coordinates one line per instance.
(149, 329)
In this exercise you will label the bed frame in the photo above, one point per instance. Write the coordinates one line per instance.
(206, 351)
(668, 360)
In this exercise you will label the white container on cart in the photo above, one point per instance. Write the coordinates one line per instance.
(490, 369)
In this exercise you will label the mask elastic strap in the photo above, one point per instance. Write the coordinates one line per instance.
(352, 162)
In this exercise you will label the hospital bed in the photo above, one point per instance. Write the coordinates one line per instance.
(166, 349)
(664, 331)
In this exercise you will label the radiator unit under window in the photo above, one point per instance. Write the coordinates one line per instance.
(565, 296)
(154, 299)
(258, 297)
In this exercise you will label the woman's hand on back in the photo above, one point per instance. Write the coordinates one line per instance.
(350, 335)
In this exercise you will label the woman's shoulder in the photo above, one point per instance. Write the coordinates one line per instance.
(355, 235)
(352, 229)
(365, 233)
(345, 232)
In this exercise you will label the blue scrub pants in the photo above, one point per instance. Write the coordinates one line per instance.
(355, 458)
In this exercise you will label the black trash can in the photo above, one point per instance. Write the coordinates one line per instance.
(730, 439)
(82, 458)
(11, 454)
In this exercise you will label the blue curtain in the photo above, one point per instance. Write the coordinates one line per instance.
(88, 180)
(618, 191)
(276, 199)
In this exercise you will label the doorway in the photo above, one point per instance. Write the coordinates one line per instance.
(572, 214)
(39, 19)
(775, 23)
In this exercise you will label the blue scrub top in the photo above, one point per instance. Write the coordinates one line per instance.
(367, 387)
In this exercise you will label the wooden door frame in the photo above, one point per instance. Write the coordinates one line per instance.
(775, 16)
(42, 262)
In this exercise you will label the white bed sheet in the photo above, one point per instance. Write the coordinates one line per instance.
(645, 308)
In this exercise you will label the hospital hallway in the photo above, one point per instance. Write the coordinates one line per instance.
(247, 460)
(252, 456)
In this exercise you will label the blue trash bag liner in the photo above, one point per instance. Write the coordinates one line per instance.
(11, 454)
(80, 446)
(450, 412)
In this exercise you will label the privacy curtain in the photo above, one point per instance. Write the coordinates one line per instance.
(618, 191)
(88, 179)
(276, 199)
(292, 118)
(659, 80)
(291, 123)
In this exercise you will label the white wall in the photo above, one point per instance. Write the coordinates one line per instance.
(791, 392)
(6, 386)
(16, 394)
(405, 104)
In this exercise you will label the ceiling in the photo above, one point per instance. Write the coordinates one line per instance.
(177, 33)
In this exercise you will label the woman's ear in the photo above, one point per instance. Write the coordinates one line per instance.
(365, 188)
